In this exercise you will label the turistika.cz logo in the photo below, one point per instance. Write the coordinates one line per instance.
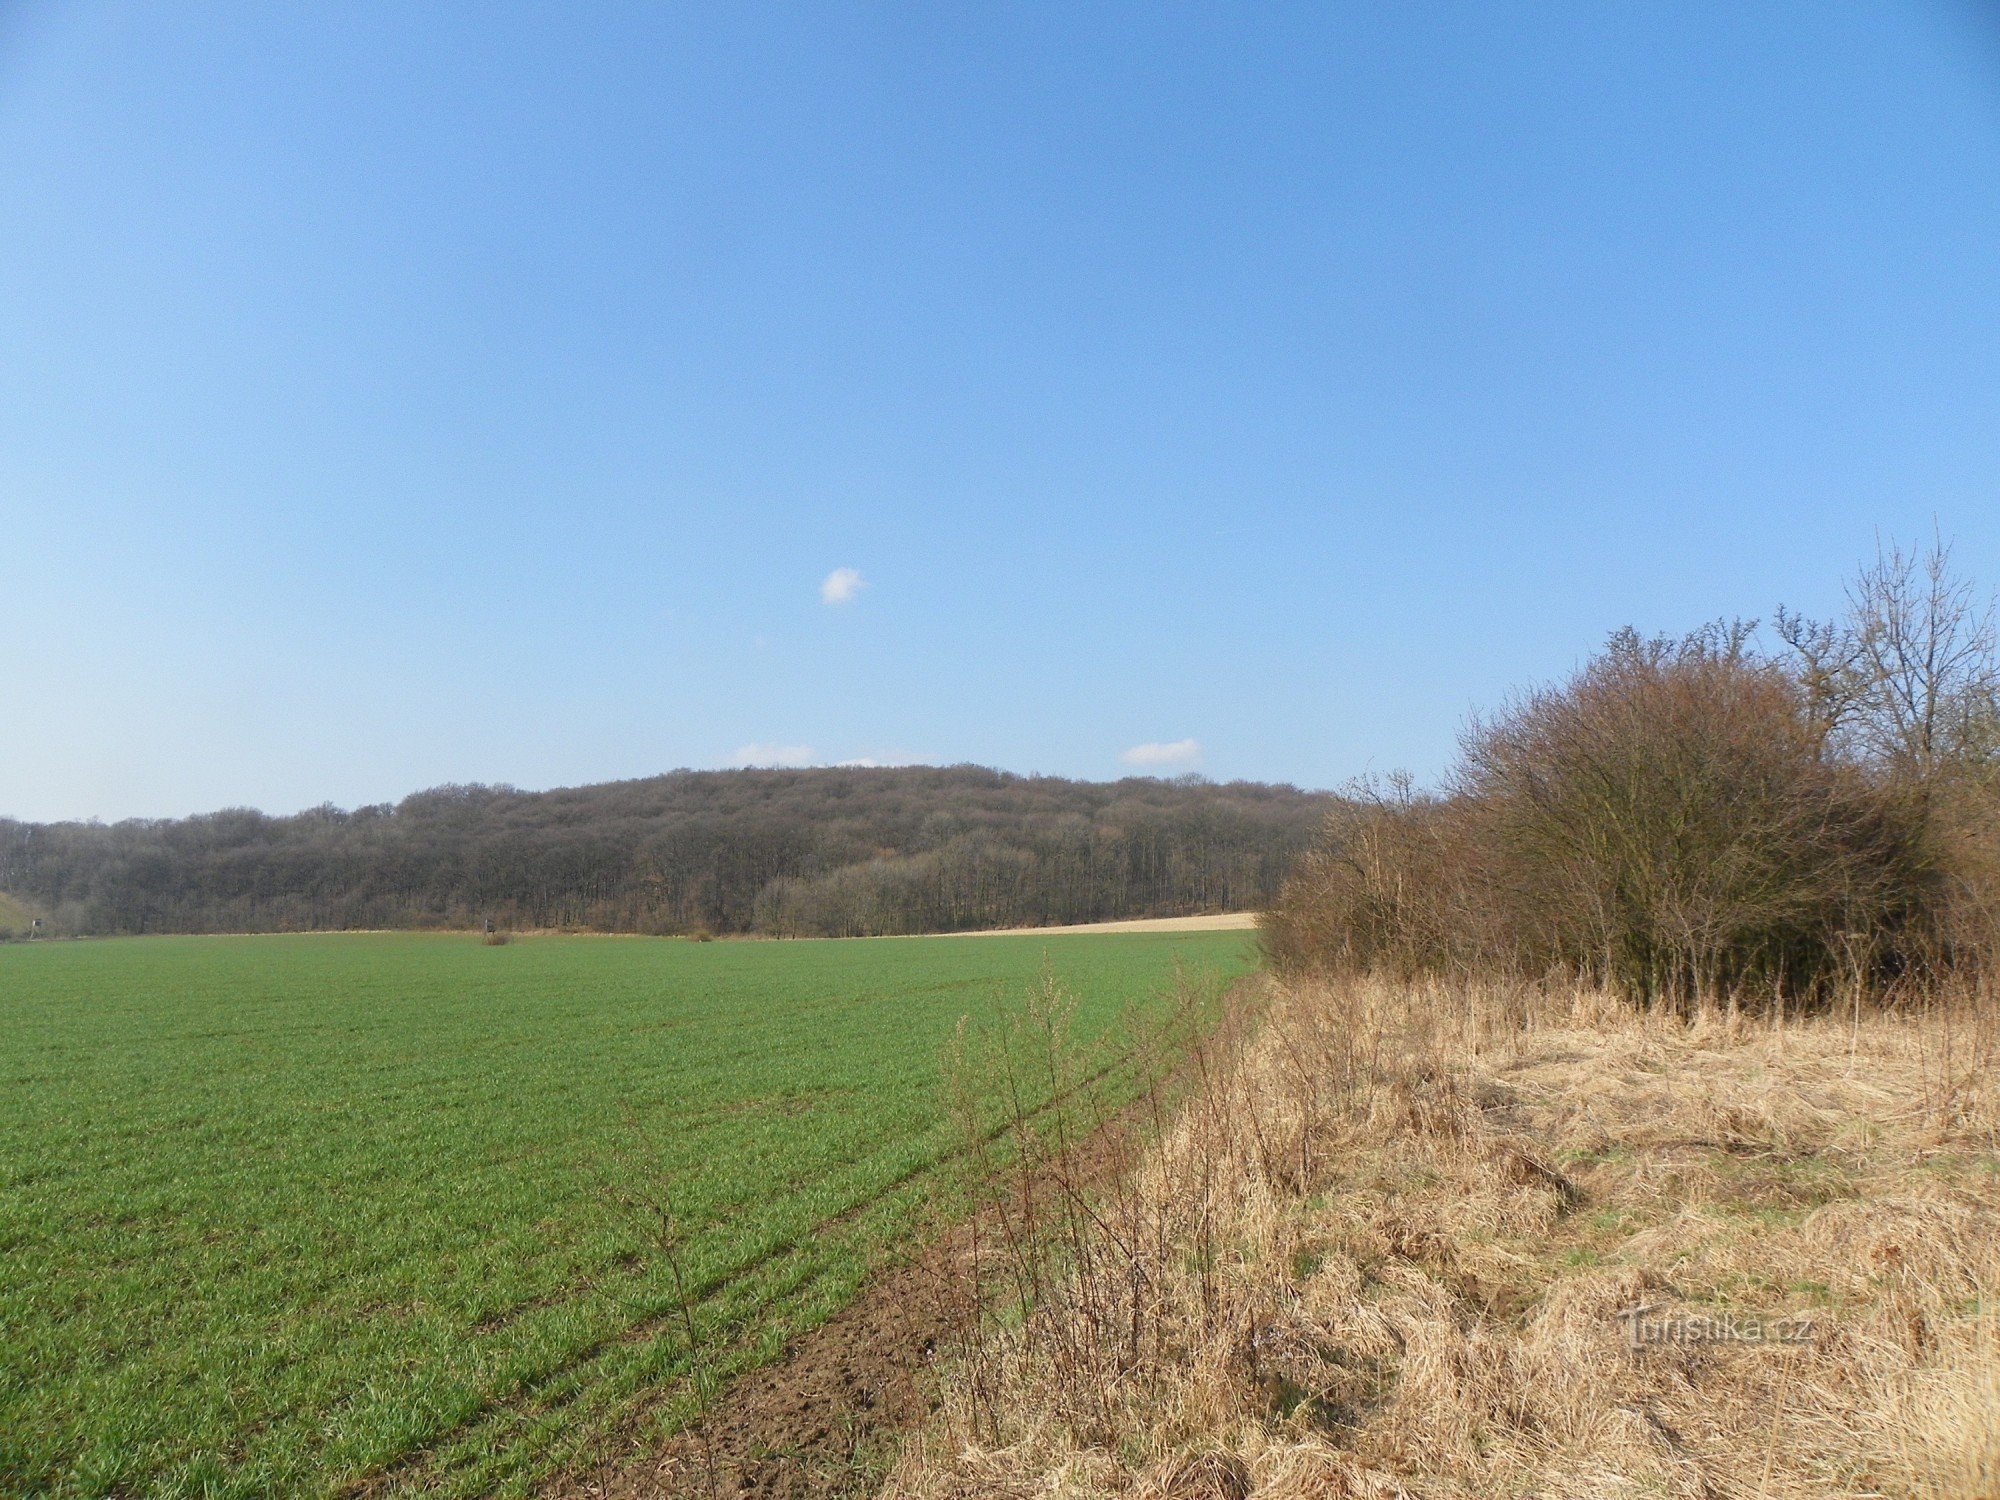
(1645, 1330)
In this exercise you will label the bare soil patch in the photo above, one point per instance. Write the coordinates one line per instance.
(815, 1424)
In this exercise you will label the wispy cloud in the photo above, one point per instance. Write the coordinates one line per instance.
(1170, 755)
(786, 756)
(841, 585)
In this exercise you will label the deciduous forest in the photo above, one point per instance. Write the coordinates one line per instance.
(830, 852)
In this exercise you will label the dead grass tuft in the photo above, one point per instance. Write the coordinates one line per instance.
(1391, 1242)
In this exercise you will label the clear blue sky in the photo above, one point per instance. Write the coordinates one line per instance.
(394, 394)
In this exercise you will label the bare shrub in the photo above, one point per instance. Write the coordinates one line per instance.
(1390, 887)
(1687, 819)
(1665, 823)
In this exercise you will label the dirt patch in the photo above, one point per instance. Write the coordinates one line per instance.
(818, 1423)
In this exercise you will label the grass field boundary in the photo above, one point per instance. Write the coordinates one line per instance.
(414, 1466)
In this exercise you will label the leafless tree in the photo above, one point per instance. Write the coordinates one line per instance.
(1910, 679)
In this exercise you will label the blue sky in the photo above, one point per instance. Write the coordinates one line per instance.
(400, 394)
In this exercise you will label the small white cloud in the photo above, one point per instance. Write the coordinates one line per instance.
(788, 757)
(841, 585)
(1177, 755)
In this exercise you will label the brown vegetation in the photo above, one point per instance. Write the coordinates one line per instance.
(1692, 818)
(1395, 1247)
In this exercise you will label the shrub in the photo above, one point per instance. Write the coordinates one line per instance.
(1666, 822)
(1688, 817)
(1386, 889)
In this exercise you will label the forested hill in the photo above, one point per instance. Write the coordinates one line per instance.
(835, 851)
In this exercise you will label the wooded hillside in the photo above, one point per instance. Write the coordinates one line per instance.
(832, 851)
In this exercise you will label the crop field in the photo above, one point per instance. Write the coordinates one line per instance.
(307, 1215)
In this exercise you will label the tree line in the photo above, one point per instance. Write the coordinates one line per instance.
(836, 852)
(1791, 814)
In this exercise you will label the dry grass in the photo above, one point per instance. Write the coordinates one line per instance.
(1385, 1246)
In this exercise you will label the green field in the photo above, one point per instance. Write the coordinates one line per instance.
(280, 1215)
